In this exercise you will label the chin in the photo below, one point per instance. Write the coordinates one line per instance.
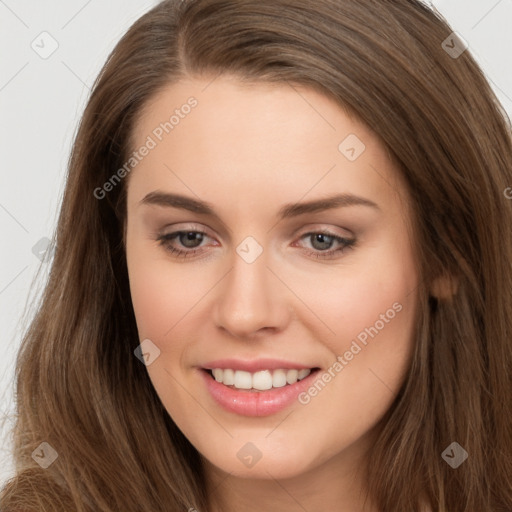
(275, 466)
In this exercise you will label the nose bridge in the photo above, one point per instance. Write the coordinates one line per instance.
(250, 298)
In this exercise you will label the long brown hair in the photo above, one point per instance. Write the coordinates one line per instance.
(81, 389)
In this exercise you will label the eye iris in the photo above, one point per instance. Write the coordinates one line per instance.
(190, 238)
(324, 240)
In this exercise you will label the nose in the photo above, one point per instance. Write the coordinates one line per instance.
(251, 301)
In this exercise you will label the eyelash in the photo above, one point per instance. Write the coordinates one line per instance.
(166, 239)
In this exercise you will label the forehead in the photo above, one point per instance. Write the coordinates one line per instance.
(224, 139)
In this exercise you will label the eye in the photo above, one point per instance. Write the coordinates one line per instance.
(188, 243)
(323, 241)
(189, 239)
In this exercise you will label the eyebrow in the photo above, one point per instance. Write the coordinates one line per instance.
(169, 200)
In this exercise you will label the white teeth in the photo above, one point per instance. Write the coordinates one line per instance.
(303, 374)
(291, 376)
(243, 380)
(279, 379)
(228, 377)
(261, 381)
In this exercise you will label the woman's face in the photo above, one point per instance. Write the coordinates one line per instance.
(267, 238)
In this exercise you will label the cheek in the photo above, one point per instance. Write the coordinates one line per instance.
(372, 316)
(153, 299)
(160, 293)
(361, 299)
(380, 304)
(163, 300)
(367, 309)
(374, 306)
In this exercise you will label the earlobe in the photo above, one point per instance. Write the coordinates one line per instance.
(444, 287)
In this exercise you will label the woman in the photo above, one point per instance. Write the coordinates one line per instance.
(283, 271)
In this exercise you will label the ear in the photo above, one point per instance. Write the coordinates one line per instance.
(444, 287)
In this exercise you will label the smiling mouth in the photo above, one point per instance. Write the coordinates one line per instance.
(263, 380)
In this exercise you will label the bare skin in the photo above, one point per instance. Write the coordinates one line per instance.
(247, 150)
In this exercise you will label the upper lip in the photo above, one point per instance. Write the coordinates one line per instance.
(255, 365)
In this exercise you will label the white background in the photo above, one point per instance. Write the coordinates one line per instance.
(41, 101)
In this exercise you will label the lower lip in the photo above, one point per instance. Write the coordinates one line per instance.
(256, 403)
